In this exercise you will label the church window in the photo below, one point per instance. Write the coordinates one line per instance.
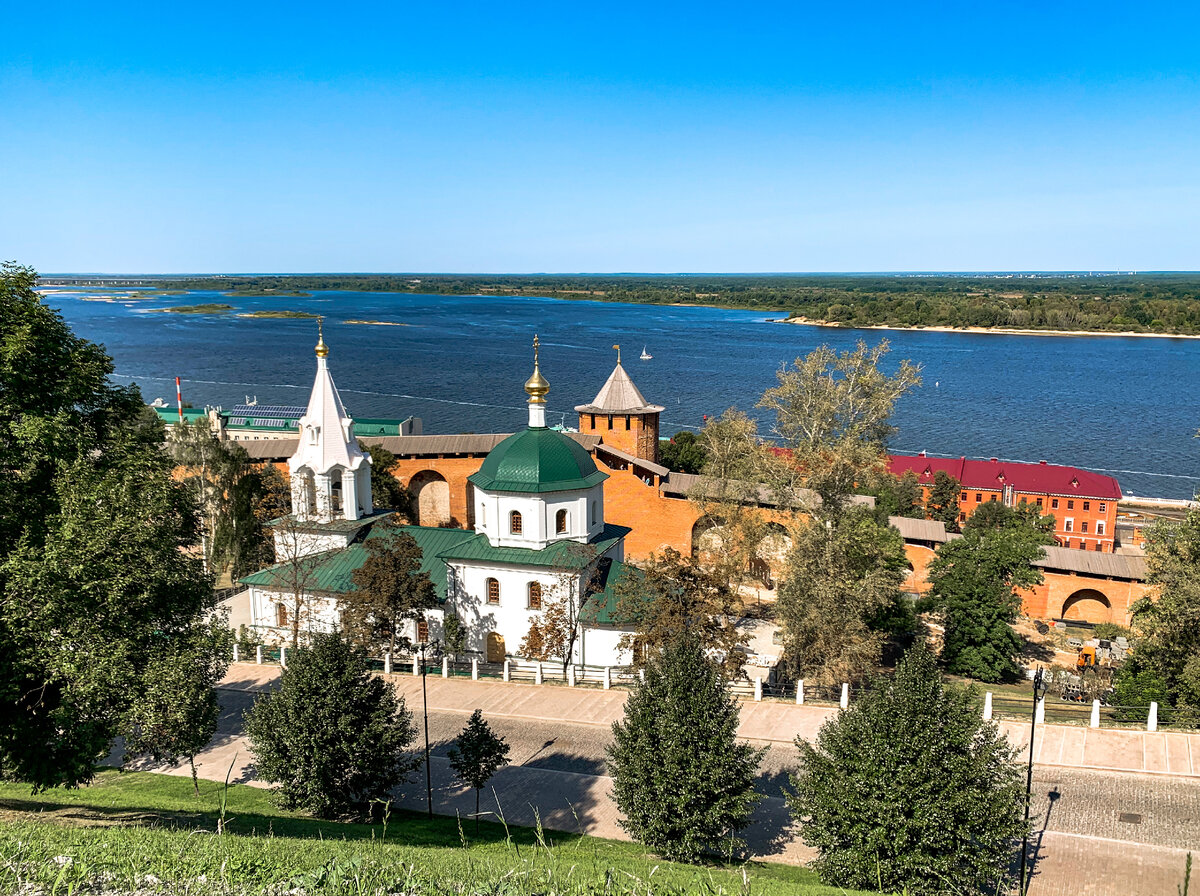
(593, 513)
(610, 421)
(483, 514)
(560, 522)
(514, 522)
(422, 631)
(627, 419)
(493, 592)
(535, 595)
(281, 615)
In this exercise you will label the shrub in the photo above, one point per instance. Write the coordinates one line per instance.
(911, 789)
(332, 736)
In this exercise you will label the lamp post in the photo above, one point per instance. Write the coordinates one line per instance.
(425, 708)
(1040, 687)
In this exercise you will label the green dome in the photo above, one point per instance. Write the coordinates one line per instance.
(537, 460)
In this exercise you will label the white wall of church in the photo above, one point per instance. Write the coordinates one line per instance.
(539, 512)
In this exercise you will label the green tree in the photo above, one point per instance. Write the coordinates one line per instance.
(680, 777)
(669, 595)
(454, 633)
(387, 493)
(943, 500)
(974, 582)
(98, 579)
(841, 598)
(390, 590)
(832, 413)
(476, 755)
(177, 716)
(683, 453)
(897, 496)
(332, 736)
(910, 790)
(1168, 627)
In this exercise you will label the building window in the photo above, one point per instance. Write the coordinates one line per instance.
(627, 421)
(962, 517)
(560, 522)
(1068, 525)
(991, 498)
(1087, 505)
(281, 615)
(978, 497)
(1039, 502)
(1083, 526)
(1099, 527)
(1104, 508)
(610, 421)
(422, 631)
(963, 496)
(493, 592)
(483, 514)
(535, 595)
(1098, 547)
(1054, 504)
(514, 522)
(593, 513)
(1070, 505)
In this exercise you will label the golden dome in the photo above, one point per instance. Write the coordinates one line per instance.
(536, 385)
(322, 348)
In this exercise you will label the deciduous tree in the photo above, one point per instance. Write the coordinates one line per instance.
(683, 781)
(332, 736)
(477, 754)
(390, 590)
(943, 500)
(909, 789)
(684, 453)
(387, 493)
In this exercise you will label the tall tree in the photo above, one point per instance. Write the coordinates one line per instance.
(897, 496)
(841, 597)
(332, 736)
(683, 781)
(387, 492)
(476, 755)
(832, 413)
(1168, 627)
(909, 789)
(97, 576)
(974, 582)
(943, 500)
(683, 453)
(390, 590)
(669, 595)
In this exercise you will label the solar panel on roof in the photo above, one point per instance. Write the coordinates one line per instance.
(268, 411)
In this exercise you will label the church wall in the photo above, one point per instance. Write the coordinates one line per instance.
(599, 647)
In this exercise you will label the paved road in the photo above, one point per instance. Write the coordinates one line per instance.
(1081, 844)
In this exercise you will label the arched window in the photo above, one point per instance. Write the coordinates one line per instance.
(493, 592)
(535, 595)
(560, 522)
(514, 522)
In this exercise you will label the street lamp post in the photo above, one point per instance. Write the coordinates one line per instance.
(425, 708)
(1040, 687)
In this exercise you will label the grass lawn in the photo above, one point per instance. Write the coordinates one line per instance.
(136, 830)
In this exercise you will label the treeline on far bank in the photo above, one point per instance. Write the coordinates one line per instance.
(1151, 303)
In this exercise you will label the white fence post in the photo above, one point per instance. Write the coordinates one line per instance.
(445, 667)
(607, 678)
(1039, 712)
(258, 654)
(387, 662)
(1095, 722)
(474, 668)
(845, 701)
(537, 679)
(1152, 719)
(642, 674)
(283, 657)
(987, 706)
(758, 690)
(236, 655)
(800, 692)
(416, 665)
(507, 671)
(571, 675)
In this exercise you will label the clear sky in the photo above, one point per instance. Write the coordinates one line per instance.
(206, 137)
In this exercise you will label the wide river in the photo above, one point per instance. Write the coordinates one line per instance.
(1125, 406)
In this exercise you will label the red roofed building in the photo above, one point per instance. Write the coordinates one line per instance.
(1083, 504)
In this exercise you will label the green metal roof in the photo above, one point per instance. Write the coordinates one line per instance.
(333, 572)
(601, 605)
(560, 555)
(170, 415)
(537, 460)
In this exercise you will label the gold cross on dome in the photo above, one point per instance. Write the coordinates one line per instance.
(536, 344)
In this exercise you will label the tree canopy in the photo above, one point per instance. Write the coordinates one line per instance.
(477, 754)
(99, 578)
(389, 591)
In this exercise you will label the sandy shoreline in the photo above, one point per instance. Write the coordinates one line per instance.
(992, 331)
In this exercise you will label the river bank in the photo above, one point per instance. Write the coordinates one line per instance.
(996, 331)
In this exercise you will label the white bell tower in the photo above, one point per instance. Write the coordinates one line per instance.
(331, 476)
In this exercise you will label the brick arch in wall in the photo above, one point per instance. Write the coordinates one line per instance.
(1087, 605)
(432, 494)
(706, 536)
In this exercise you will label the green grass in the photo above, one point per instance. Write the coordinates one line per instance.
(135, 829)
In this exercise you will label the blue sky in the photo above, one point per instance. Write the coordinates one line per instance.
(571, 137)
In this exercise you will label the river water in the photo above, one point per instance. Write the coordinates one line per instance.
(1125, 406)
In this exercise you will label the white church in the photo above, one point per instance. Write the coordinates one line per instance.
(540, 535)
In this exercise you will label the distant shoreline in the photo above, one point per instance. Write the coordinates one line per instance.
(995, 331)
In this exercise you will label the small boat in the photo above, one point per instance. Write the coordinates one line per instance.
(646, 356)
